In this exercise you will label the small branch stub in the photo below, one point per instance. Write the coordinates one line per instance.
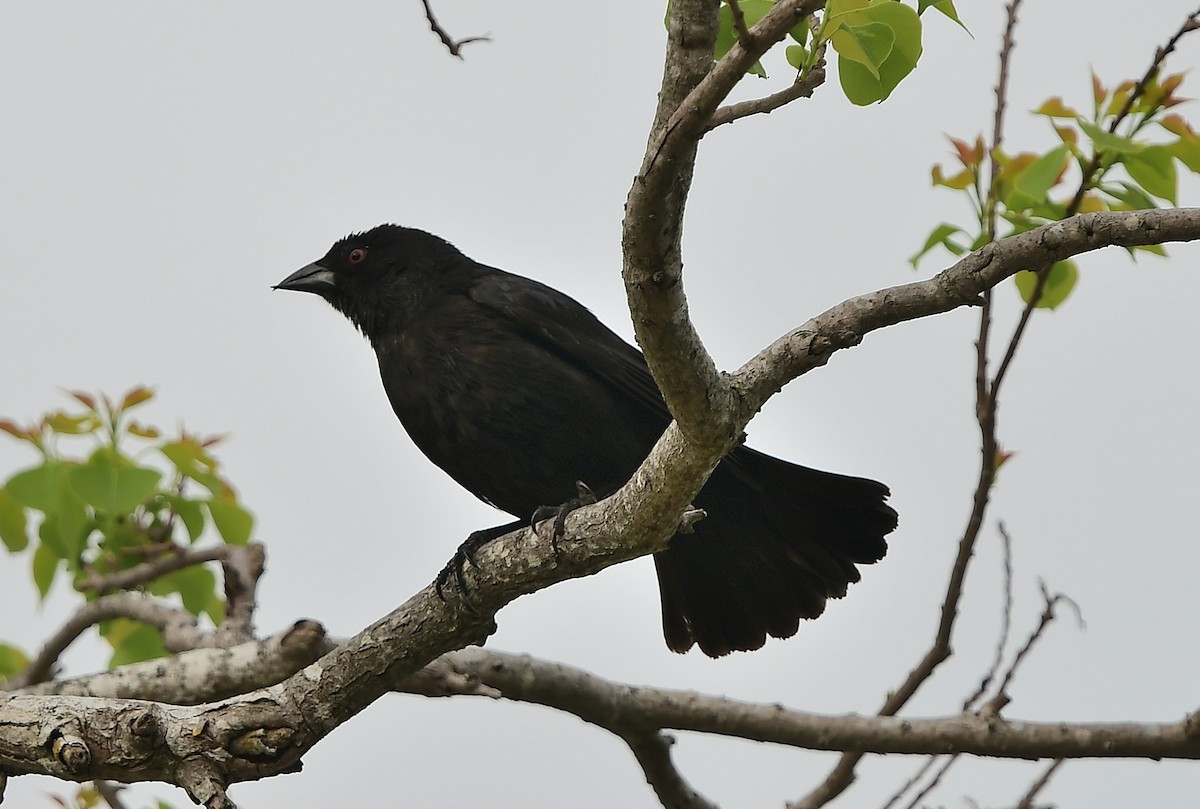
(72, 752)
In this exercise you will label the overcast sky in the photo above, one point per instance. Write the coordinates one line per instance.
(163, 164)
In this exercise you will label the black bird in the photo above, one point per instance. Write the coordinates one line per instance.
(517, 391)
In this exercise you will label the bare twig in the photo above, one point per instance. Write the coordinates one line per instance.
(913, 780)
(453, 45)
(149, 571)
(938, 775)
(1005, 624)
(801, 88)
(653, 753)
(1027, 799)
(997, 703)
(739, 23)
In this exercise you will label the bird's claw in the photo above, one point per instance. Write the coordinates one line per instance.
(584, 497)
(455, 567)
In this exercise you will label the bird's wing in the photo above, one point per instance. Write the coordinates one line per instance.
(565, 328)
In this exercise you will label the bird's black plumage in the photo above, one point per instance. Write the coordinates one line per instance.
(517, 391)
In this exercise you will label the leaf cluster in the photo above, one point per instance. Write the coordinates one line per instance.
(1112, 157)
(121, 496)
(878, 42)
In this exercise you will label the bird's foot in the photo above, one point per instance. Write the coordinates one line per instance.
(453, 571)
(584, 497)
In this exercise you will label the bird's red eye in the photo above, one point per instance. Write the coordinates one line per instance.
(357, 256)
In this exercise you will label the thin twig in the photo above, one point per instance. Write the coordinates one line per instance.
(913, 780)
(1001, 699)
(739, 23)
(1005, 626)
(149, 571)
(801, 88)
(453, 45)
(653, 753)
(933, 782)
(1026, 801)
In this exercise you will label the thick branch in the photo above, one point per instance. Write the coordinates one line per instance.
(846, 324)
(201, 675)
(692, 88)
(132, 740)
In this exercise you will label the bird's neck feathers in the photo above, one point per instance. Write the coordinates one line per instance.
(425, 281)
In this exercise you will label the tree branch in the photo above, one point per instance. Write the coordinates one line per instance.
(178, 627)
(200, 675)
(453, 45)
(801, 88)
(696, 393)
(134, 740)
(844, 325)
(178, 559)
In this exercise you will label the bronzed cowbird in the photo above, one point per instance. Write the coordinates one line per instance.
(517, 392)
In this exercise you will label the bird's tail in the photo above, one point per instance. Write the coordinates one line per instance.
(778, 540)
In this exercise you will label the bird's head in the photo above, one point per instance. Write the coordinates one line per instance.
(381, 279)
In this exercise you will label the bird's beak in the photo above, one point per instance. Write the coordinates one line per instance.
(313, 278)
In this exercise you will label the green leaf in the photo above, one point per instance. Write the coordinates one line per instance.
(132, 642)
(136, 396)
(194, 461)
(1156, 249)
(1059, 283)
(216, 608)
(1106, 141)
(871, 63)
(1134, 198)
(944, 6)
(108, 484)
(191, 513)
(1034, 182)
(196, 585)
(12, 660)
(868, 45)
(727, 34)
(940, 235)
(1187, 151)
(45, 568)
(1055, 108)
(796, 54)
(37, 487)
(1153, 169)
(63, 424)
(46, 488)
(233, 522)
(13, 527)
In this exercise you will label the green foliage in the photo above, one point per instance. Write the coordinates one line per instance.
(1121, 135)
(12, 660)
(103, 509)
(878, 42)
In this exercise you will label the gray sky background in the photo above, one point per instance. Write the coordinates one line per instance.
(163, 164)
